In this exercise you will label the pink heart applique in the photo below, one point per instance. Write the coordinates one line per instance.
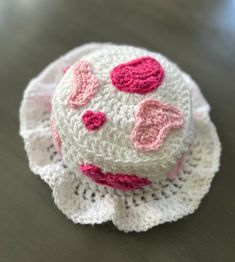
(141, 76)
(93, 120)
(123, 182)
(85, 85)
(153, 122)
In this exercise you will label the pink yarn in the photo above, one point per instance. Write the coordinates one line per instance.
(55, 137)
(141, 76)
(123, 182)
(93, 120)
(153, 122)
(85, 85)
(66, 69)
(174, 172)
(48, 107)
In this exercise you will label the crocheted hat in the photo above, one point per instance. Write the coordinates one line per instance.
(119, 133)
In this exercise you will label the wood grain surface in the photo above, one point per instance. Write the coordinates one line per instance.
(200, 37)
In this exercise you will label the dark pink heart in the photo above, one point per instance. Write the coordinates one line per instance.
(123, 182)
(93, 120)
(141, 76)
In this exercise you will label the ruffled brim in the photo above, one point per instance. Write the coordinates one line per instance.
(87, 203)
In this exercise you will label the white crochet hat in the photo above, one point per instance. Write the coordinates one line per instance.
(119, 133)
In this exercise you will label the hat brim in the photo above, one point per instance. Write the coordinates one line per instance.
(87, 203)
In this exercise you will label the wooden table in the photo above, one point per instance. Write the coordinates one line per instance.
(200, 37)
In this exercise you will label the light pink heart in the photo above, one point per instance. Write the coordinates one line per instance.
(85, 85)
(153, 122)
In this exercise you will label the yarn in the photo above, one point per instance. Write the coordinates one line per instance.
(153, 122)
(93, 120)
(174, 172)
(55, 136)
(85, 85)
(141, 75)
(124, 182)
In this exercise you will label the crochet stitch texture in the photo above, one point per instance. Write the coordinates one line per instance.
(93, 120)
(123, 182)
(141, 75)
(85, 85)
(176, 188)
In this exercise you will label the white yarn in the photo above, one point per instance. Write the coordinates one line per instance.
(83, 201)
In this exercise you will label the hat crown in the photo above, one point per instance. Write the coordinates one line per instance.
(146, 105)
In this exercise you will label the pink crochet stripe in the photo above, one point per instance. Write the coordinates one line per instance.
(93, 120)
(141, 76)
(85, 85)
(66, 69)
(55, 137)
(153, 122)
(174, 172)
(123, 182)
(48, 107)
